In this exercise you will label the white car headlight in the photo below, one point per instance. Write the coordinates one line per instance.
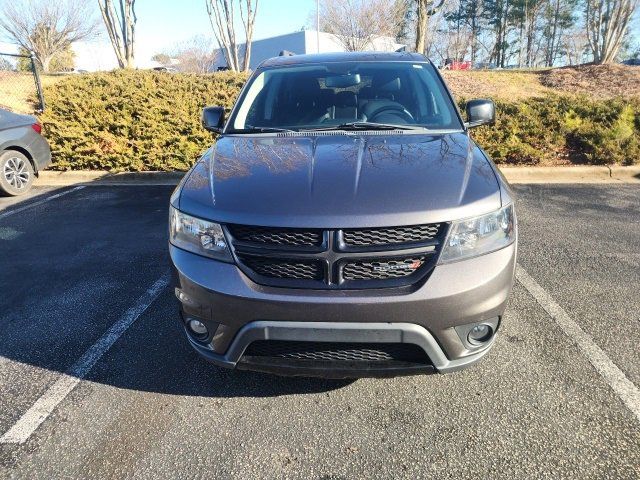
(475, 236)
(198, 236)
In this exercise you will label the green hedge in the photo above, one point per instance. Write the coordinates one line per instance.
(141, 120)
(570, 128)
(133, 120)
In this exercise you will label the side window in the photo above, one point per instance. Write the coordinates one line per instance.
(256, 116)
(440, 112)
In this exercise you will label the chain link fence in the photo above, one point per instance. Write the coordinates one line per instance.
(20, 87)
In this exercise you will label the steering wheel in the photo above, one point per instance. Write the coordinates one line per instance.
(394, 109)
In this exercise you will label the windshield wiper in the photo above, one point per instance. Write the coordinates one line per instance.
(251, 128)
(366, 126)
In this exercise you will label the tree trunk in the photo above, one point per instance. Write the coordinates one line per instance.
(421, 26)
(121, 29)
(248, 23)
(45, 61)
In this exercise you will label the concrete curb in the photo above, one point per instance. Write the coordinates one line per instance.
(574, 174)
(88, 177)
(577, 174)
(624, 173)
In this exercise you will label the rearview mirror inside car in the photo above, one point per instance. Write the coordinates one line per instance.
(213, 119)
(480, 112)
(343, 81)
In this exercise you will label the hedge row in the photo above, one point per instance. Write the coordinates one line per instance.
(572, 129)
(135, 121)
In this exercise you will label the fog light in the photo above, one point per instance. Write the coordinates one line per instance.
(480, 334)
(197, 328)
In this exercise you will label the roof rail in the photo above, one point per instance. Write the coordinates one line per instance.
(286, 53)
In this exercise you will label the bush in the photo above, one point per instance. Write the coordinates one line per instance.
(133, 120)
(143, 120)
(575, 129)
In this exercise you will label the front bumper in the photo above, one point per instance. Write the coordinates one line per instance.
(239, 311)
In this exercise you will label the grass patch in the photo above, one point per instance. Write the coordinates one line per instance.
(18, 90)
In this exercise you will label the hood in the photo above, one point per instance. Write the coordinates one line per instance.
(341, 180)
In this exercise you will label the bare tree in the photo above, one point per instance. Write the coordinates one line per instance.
(248, 15)
(121, 26)
(357, 23)
(575, 46)
(222, 14)
(47, 28)
(558, 19)
(196, 55)
(607, 22)
(425, 9)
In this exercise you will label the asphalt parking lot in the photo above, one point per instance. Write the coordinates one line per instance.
(556, 398)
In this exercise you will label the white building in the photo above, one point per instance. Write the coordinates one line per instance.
(304, 41)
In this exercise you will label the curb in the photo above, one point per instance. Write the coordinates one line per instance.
(573, 174)
(88, 177)
(577, 174)
(623, 173)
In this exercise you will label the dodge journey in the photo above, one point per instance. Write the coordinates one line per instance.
(344, 223)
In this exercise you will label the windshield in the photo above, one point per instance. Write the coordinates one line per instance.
(348, 95)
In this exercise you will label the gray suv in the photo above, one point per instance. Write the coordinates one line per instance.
(344, 224)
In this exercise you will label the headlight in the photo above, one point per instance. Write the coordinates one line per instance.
(479, 235)
(198, 236)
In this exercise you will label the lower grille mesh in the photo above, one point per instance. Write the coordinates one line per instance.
(338, 352)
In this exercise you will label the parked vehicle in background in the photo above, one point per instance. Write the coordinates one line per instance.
(450, 64)
(344, 224)
(632, 62)
(24, 152)
(165, 69)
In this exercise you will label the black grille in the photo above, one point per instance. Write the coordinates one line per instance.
(337, 351)
(283, 268)
(337, 259)
(390, 236)
(277, 236)
(382, 269)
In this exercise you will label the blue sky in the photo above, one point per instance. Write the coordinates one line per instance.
(176, 20)
(163, 24)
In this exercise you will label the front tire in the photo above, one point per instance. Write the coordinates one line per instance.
(16, 173)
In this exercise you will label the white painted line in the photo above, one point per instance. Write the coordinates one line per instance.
(617, 380)
(39, 202)
(44, 406)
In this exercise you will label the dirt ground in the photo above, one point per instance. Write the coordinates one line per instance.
(599, 81)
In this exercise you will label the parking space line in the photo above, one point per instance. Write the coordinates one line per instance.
(624, 388)
(44, 406)
(39, 202)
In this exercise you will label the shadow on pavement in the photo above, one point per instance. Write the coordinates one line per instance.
(73, 266)
(167, 364)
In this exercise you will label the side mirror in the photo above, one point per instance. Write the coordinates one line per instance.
(480, 112)
(213, 119)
